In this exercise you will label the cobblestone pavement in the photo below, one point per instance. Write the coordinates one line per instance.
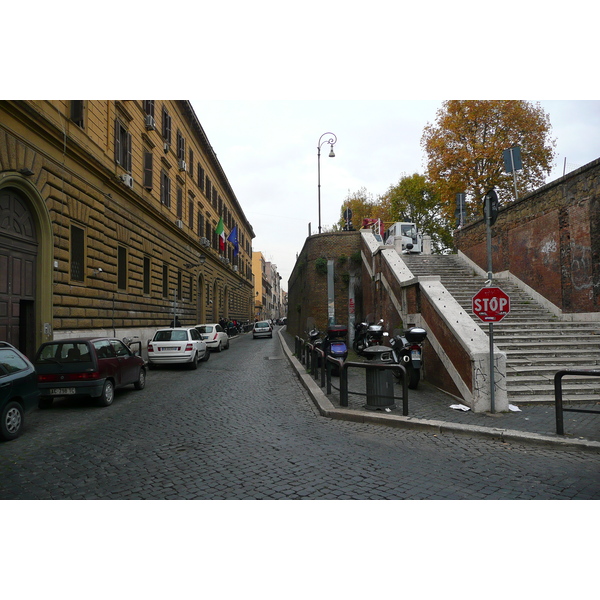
(243, 427)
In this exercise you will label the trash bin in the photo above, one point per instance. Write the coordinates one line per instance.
(380, 381)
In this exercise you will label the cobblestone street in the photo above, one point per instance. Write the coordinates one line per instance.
(242, 427)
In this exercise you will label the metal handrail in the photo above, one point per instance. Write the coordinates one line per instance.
(308, 353)
(558, 401)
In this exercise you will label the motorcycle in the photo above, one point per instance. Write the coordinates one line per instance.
(407, 350)
(368, 333)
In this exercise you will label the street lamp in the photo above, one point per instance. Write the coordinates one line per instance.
(331, 141)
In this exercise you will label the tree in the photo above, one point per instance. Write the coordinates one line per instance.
(464, 149)
(362, 205)
(414, 199)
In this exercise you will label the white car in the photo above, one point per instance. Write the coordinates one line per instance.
(180, 345)
(214, 335)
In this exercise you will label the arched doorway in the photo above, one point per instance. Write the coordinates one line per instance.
(18, 271)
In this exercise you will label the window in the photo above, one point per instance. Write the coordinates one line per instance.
(122, 268)
(208, 188)
(179, 285)
(165, 189)
(149, 107)
(180, 146)
(148, 169)
(122, 146)
(200, 222)
(165, 281)
(146, 275)
(179, 203)
(191, 214)
(191, 165)
(77, 253)
(77, 112)
(166, 126)
(200, 177)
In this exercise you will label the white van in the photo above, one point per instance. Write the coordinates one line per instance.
(405, 237)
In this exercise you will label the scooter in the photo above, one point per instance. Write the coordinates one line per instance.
(407, 350)
(314, 337)
(368, 333)
(334, 344)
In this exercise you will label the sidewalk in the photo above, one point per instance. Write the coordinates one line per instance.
(429, 408)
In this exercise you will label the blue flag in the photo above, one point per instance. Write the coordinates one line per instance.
(233, 238)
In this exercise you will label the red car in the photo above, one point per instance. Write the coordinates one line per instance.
(87, 367)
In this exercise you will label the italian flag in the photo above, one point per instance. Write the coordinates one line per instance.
(220, 231)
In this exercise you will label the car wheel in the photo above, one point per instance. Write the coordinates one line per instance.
(227, 347)
(206, 355)
(220, 347)
(45, 402)
(194, 363)
(108, 394)
(12, 421)
(140, 384)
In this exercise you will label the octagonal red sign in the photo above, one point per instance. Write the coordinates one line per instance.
(491, 304)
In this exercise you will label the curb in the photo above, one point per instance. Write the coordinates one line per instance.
(327, 409)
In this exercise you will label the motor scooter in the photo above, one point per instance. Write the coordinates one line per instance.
(368, 333)
(314, 336)
(334, 344)
(407, 350)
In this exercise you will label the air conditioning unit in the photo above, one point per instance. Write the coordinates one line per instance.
(166, 147)
(127, 180)
(150, 123)
(182, 165)
(236, 268)
(179, 223)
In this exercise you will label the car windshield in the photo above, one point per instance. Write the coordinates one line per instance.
(171, 335)
(205, 328)
(64, 352)
(262, 324)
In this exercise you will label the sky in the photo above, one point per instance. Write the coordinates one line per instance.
(268, 150)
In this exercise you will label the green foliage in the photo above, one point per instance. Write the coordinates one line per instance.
(321, 266)
(415, 200)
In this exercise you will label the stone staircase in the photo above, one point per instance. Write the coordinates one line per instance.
(537, 344)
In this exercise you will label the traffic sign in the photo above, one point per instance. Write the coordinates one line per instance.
(491, 304)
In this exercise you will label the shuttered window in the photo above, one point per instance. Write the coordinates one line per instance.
(165, 189)
(122, 146)
(146, 275)
(148, 170)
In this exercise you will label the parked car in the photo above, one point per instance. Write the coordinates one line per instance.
(262, 329)
(214, 335)
(87, 366)
(181, 345)
(18, 391)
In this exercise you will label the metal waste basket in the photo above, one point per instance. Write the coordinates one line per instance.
(380, 381)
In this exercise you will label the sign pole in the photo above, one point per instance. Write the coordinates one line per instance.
(488, 226)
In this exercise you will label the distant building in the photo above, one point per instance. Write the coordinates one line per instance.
(109, 221)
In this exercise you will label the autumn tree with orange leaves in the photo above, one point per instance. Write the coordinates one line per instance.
(465, 144)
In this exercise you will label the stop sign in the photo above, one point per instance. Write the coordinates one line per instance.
(491, 304)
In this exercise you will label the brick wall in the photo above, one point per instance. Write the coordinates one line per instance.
(307, 287)
(550, 239)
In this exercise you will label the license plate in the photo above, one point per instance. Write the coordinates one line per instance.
(62, 391)
(169, 349)
(415, 354)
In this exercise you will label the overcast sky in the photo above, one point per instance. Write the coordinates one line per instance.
(268, 149)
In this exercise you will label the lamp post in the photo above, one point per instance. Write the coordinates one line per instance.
(331, 141)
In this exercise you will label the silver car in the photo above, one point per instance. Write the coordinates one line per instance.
(262, 329)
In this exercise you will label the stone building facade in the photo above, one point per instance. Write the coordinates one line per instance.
(108, 219)
(550, 240)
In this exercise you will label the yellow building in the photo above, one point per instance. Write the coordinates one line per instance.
(108, 222)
